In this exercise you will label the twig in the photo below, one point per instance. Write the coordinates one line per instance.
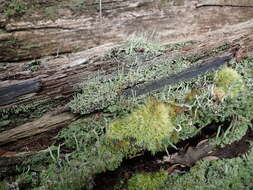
(223, 5)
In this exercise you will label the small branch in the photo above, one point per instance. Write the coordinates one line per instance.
(223, 5)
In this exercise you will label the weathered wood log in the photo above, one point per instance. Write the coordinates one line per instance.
(62, 81)
(57, 76)
(29, 40)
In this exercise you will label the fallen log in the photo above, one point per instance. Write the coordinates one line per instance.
(56, 77)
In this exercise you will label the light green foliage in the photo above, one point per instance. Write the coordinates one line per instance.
(229, 82)
(103, 91)
(15, 8)
(149, 127)
(147, 181)
(127, 127)
(144, 42)
(92, 155)
(139, 67)
(83, 133)
(96, 94)
(227, 174)
(96, 152)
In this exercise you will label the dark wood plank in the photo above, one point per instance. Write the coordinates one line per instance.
(10, 93)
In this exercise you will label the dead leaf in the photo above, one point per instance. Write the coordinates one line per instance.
(172, 168)
(202, 142)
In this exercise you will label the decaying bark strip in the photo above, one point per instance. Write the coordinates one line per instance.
(9, 94)
(189, 73)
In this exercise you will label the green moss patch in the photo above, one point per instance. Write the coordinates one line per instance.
(149, 127)
(152, 181)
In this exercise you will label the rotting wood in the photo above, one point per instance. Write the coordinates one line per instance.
(46, 123)
(10, 93)
(28, 40)
(59, 75)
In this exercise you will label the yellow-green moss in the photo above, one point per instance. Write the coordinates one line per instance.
(149, 127)
(228, 83)
(151, 181)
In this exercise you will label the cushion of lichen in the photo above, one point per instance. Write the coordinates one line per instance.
(147, 181)
(228, 83)
(150, 127)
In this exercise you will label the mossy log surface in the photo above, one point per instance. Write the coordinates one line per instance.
(27, 76)
(60, 76)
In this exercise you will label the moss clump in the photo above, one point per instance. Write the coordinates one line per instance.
(228, 83)
(151, 181)
(150, 127)
(15, 8)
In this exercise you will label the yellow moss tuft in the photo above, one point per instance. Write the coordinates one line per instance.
(149, 127)
(228, 83)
